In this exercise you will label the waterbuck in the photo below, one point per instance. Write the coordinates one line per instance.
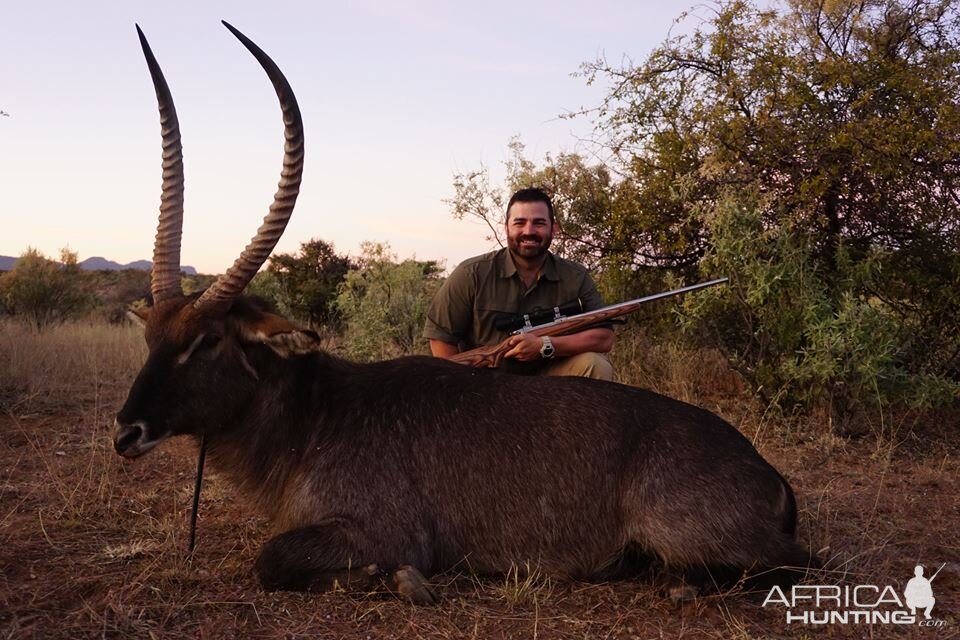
(391, 471)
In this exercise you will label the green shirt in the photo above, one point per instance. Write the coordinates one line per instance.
(487, 287)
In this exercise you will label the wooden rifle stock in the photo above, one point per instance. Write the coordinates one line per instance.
(491, 356)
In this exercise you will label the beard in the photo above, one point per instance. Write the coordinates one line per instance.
(529, 246)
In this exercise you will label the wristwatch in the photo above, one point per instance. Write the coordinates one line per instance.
(546, 350)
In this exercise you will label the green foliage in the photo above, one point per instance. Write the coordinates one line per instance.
(195, 283)
(835, 127)
(41, 291)
(849, 117)
(266, 285)
(115, 291)
(846, 113)
(384, 304)
(789, 333)
(308, 281)
(842, 122)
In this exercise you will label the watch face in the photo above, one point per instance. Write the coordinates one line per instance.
(546, 350)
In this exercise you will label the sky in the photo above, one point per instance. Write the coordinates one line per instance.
(396, 98)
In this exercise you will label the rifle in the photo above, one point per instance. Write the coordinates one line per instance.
(491, 356)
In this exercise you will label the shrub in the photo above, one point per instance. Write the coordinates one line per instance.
(803, 339)
(308, 282)
(41, 291)
(384, 304)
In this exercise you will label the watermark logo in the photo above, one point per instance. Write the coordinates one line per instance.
(860, 604)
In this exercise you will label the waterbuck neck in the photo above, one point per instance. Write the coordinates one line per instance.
(267, 442)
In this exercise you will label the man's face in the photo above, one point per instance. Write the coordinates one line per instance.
(529, 229)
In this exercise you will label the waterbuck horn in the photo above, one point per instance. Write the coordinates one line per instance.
(165, 276)
(220, 295)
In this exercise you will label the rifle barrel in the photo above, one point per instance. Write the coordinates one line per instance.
(627, 307)
(490, 356)
(938, 571)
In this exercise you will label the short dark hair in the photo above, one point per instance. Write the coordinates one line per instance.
(530, 194)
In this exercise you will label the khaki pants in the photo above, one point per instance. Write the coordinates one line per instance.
(586, 365)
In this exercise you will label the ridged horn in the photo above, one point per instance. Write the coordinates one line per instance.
(221, 294)
(165, 275)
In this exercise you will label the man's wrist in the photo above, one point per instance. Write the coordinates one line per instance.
(547, 350)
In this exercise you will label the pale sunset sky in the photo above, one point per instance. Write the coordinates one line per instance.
(396, 98)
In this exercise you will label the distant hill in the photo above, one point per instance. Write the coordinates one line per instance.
(102, 264)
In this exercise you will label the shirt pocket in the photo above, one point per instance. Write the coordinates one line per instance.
(493, 322)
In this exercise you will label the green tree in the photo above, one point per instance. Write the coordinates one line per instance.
(266, 285)
(846, 112)
(113, 292)
(195, 283)
(308, 281)
(42, 291)
(837, 125)
(384, 304)
(843, 118)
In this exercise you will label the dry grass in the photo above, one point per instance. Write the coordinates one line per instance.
(93, 546)
(697, 377)
(71, 364)
(526, 585)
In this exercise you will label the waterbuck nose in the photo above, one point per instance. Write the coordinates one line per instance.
(127, 435)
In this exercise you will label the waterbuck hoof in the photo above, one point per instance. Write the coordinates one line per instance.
(411, 584)
(682, 594)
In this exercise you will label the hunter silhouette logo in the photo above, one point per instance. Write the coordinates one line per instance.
(919, 593)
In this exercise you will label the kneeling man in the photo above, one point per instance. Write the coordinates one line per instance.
(476, 303)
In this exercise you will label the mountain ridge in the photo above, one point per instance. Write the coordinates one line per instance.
(99, 263)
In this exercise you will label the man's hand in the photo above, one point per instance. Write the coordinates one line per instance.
(525, 347)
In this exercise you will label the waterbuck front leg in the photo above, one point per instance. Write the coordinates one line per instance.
(323, 556)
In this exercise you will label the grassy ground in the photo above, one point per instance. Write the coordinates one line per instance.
(93, 546)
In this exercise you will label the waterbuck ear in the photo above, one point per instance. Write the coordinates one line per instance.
(291, 343)
(139, 316)
(280, 334)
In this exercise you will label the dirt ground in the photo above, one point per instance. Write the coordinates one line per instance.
(94, 546)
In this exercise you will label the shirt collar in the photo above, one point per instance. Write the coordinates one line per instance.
(508, 268)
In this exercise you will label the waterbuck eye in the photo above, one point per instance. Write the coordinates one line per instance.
(202, 343)
(209, 341)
